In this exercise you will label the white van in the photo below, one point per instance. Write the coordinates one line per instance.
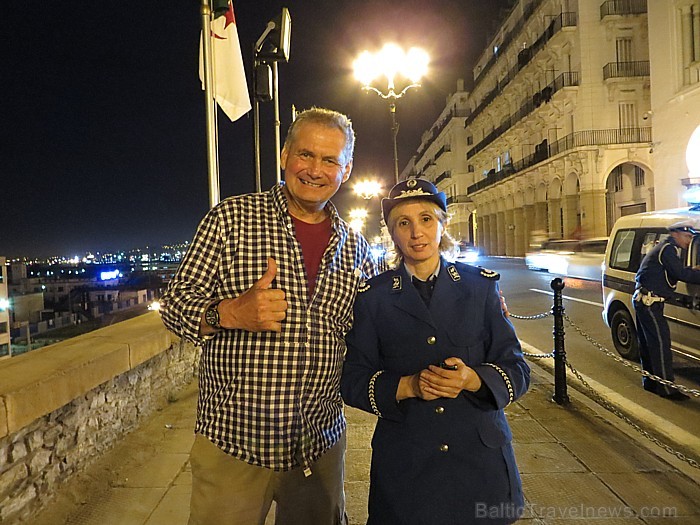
(630, 239)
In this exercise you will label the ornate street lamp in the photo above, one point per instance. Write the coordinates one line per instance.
(390, 62)
(367, 188)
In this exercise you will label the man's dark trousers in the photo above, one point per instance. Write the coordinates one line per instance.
(654, 345)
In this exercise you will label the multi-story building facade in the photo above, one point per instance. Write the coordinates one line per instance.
(674, 51)
(441, 158)
(555, 134)
(5, 349)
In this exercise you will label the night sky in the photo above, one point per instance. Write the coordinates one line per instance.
(102, 141)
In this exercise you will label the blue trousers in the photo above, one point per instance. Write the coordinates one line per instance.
(654, 346)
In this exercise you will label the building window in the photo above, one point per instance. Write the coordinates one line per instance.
(627, 115)
(690, 41)
(470, 168)
(638, 176)
(470, 140)
(617, 178)
(4, 350)
(3, 328)
(623, 48)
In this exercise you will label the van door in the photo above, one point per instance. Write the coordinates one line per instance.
(683, 312)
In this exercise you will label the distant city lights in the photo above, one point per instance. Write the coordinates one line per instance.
(109, 275)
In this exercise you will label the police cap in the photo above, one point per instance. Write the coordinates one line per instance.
(686, 226)
(413, 189)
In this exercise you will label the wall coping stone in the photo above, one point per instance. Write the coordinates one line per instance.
(38, 382)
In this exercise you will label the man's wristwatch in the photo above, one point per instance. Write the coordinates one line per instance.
(211, 315)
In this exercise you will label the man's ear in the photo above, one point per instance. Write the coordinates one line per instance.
(348, 170)
(283, 157)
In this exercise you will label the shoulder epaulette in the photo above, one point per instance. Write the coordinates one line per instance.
(364, 286)
(489, 274)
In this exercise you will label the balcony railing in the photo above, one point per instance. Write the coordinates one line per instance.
(508, 38)
(567, 79)
(639, 68)
(525, 56)
(623, 7)
(444, 175)
(594, 137)
(436, 130)
(446, 148)
(459, 199)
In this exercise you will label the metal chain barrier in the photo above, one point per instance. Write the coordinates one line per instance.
(539, 356)
(543, 315)
(559, 356)
(616, 357)
(535, 317)
(611, 408)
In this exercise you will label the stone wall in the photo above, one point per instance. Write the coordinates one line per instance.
(48, 450)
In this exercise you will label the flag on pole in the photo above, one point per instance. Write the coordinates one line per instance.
(230, 87)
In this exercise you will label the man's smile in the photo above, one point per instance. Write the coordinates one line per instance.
(307, 183)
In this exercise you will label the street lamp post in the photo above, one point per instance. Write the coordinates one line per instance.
(389, 62)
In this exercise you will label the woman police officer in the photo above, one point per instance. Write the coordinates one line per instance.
(433, 356)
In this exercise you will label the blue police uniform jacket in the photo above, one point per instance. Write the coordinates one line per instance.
(447, 461)
(662, 268)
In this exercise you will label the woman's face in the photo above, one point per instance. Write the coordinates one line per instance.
(416, 231)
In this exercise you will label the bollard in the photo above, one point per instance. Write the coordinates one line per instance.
(560, 395)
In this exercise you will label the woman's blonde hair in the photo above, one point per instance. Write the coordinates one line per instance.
(447, 244)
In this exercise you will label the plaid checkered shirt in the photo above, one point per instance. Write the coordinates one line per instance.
(270, 399)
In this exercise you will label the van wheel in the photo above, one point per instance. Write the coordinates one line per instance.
(624, 335)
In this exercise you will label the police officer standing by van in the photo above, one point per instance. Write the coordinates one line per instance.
(656, 278)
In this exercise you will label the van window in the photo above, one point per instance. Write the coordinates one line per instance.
(650, 240)
(621, 254)
(630, 247)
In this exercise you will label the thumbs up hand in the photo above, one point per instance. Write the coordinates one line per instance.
(258, 309)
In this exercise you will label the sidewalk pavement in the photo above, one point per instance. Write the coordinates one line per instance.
(578, 465)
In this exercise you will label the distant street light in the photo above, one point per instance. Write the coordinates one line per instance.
(389, 62)
(367, 188)
(358, 217)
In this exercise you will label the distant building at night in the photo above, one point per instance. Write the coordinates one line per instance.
(556, 132)
(5, 348)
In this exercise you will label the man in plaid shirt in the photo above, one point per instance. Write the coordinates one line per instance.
(267, 288)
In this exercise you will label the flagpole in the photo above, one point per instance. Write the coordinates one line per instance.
(212, 135)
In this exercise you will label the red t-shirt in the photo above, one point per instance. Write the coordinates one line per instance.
(314, 239)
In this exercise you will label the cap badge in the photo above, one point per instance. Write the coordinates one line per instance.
(412, 193)
(411, 182)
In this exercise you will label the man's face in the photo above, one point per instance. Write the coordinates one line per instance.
(314, 165)
(682, 239)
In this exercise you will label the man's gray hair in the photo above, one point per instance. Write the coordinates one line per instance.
(328, 118)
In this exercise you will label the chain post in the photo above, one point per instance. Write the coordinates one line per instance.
(560, 396)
